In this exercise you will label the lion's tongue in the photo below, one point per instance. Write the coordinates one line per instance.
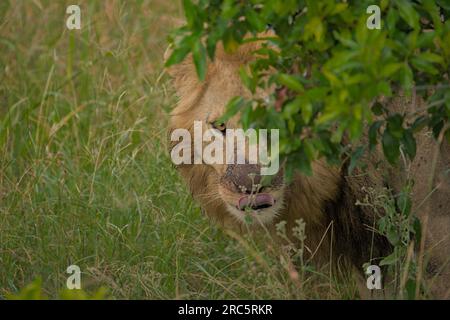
(256, 201)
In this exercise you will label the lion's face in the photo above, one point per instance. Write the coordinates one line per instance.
(239, 189)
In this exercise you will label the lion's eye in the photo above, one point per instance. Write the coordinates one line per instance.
(220, 126)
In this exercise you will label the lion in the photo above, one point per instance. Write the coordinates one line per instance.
(338, 230)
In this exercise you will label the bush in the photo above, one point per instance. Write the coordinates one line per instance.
(330, 70)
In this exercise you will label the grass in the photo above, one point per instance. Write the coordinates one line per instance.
(85, 177)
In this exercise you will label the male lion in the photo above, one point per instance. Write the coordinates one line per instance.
(338, 231)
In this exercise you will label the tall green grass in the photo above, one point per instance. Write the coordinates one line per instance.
(85, 178)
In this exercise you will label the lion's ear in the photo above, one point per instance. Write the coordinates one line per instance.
(183, 74)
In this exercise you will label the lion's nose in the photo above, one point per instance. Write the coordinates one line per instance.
(246, 178)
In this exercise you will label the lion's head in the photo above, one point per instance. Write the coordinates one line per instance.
(233, 192)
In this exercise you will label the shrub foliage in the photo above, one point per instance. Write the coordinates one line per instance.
(330, 70)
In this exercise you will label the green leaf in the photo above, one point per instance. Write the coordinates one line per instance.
(315, 27)
(425, 39)
(409, 142)
(290, 82)
(431, 57)
(199, 55)
(395, 125)
(291, 108)
(424, 66)
(389, 260)
(391, 68)
(406, 77)
(392, 18)
(431, 7)
(408, 13)
(255, 21)
(444, 4)
(304, 164)
(404, 203)
(190, 12)
(233, 106)
(249, 82)
(229, 42)
(177, 56)
(373, 133)
(390, 147)
(307, 110)
(393, 235)
(309, 149)
(229, 9)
